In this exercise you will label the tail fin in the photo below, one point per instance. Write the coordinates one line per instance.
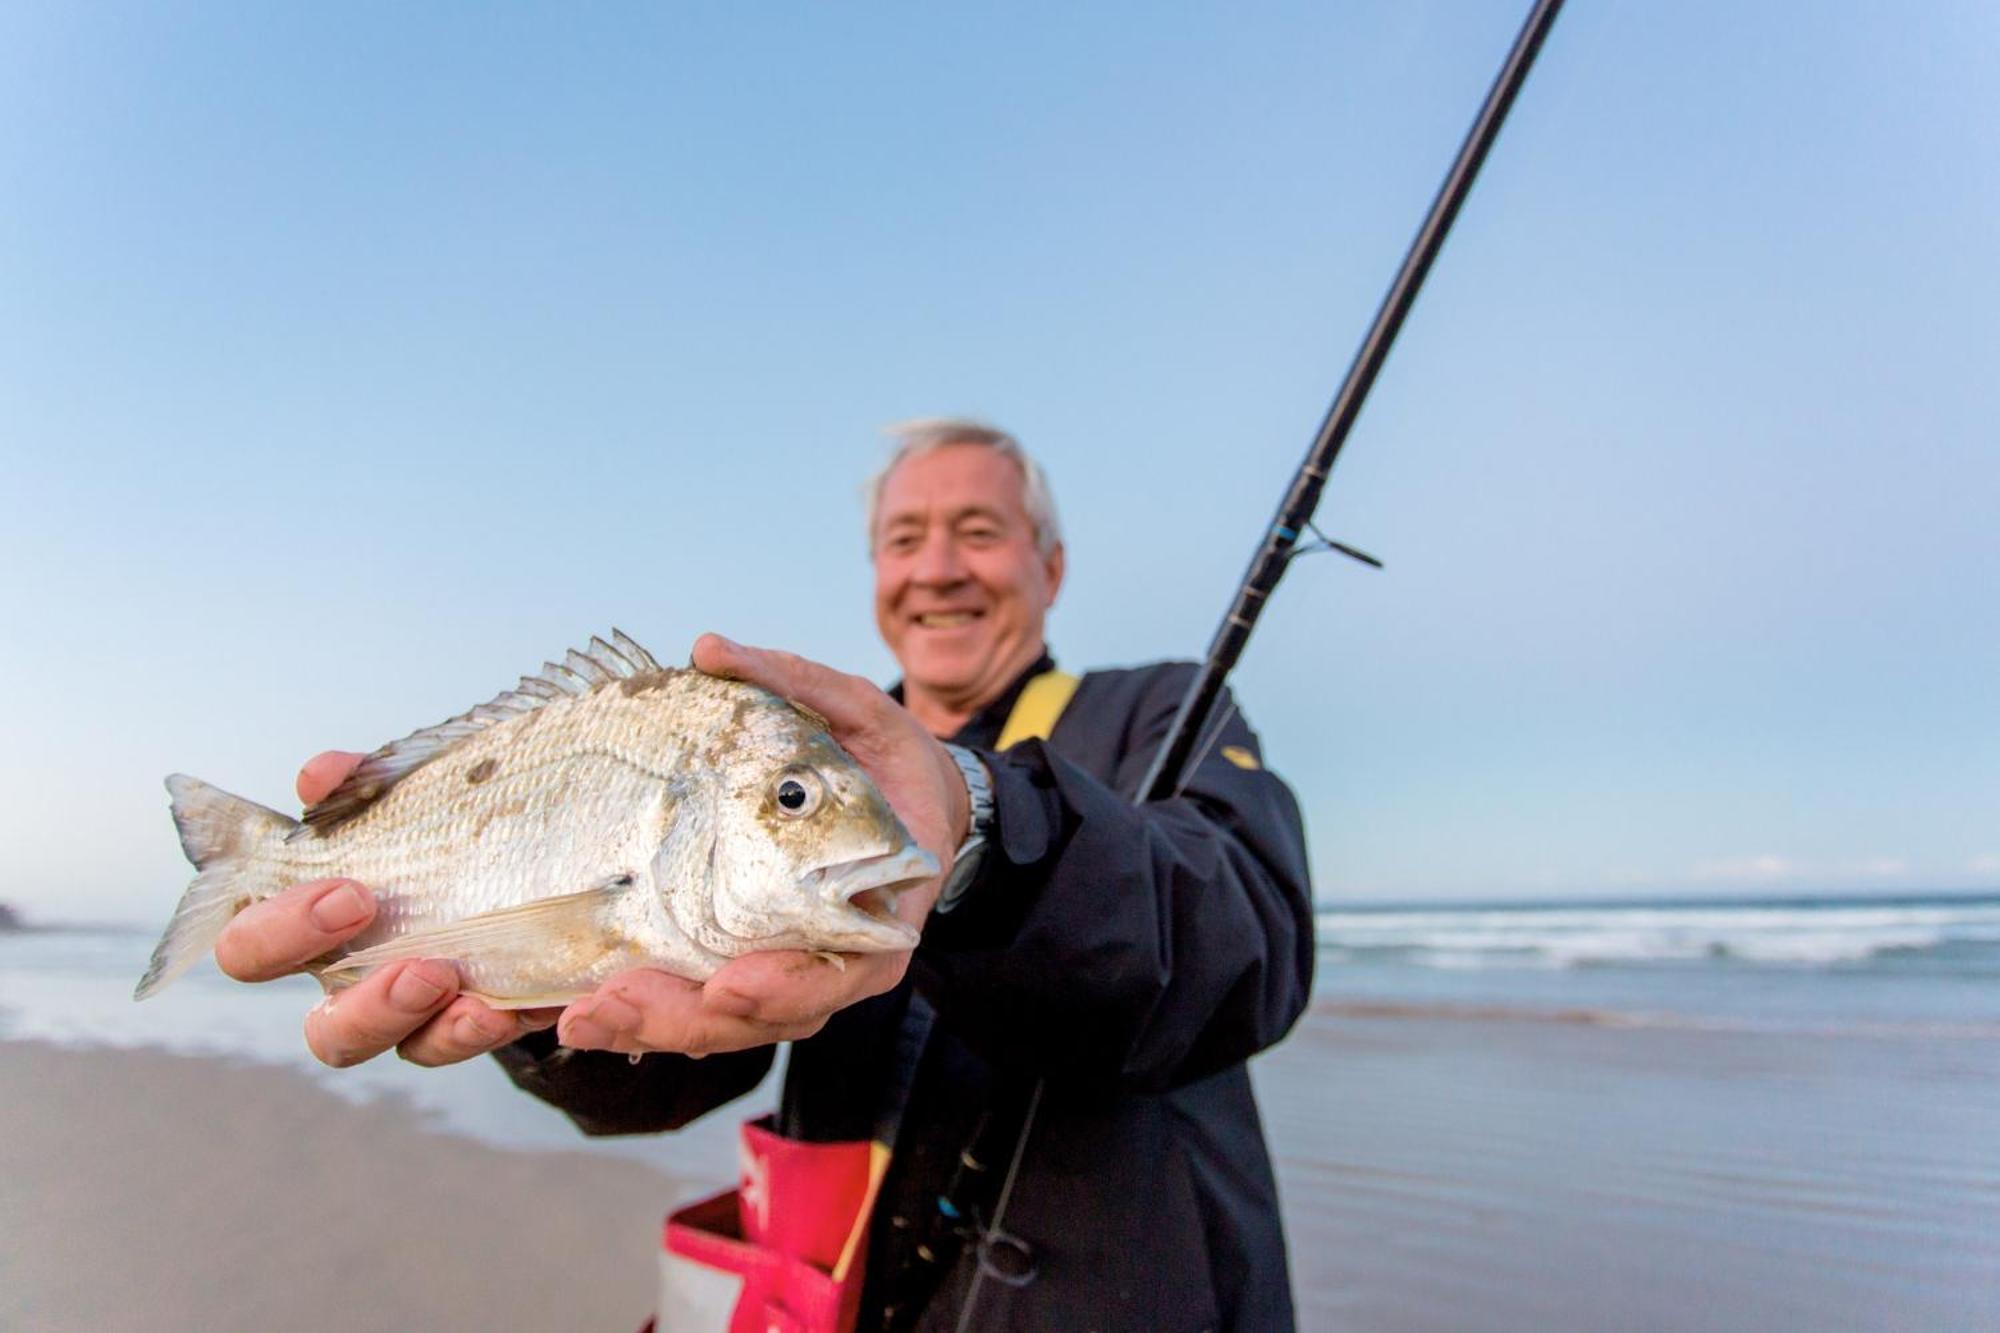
(221, 834)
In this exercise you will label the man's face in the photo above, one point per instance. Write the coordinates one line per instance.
(960, 591)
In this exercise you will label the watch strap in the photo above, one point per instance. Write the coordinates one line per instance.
(979, 792)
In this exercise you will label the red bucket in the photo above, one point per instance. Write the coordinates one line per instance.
(784, 1251)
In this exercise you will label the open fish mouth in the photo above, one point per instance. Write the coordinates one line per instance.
(864, 893)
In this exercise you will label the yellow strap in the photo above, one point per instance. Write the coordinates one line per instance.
(1033, 718)
(1036, 711)
(878, 1167)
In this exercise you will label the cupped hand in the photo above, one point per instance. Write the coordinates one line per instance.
(413, 1006)
(783, 995)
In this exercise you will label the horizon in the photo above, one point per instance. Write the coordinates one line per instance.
(28, 923)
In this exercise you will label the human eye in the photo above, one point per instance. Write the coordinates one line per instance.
(980, 532)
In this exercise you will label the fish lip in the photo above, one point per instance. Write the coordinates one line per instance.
(892, 873)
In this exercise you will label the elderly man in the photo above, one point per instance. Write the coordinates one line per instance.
(1093, 973)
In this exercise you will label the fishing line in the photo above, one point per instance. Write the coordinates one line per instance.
(993, 1233)
(1327, 543)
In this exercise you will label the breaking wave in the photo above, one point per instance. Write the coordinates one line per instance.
(1930, 935)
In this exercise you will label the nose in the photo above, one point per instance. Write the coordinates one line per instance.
(938, 561)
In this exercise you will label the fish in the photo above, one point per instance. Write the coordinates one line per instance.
(607, 813)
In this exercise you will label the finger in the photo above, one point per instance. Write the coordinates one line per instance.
(645, 1010)
(379, 1011)
(635, 1004)
(464, 1028)
(848, 702)
(323, 772)
(785, 987)
(281, 934)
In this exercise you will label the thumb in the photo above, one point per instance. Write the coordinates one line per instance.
(843, 700)
(324, 772)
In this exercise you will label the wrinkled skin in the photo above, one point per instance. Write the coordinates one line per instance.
(414, 1007)
(961, 588)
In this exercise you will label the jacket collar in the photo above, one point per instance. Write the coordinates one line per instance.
(983, 728)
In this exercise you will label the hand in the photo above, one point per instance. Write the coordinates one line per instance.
(783, 995)
(412, 1005)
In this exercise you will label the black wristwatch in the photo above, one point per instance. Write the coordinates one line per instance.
(965, 865)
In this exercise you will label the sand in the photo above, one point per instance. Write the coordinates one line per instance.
(1438, 1173)
(149, 1191)
(1444, 1174)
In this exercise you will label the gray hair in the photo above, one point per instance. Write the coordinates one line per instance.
(929, 433)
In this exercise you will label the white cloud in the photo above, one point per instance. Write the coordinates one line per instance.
(1765, 868)
(1770, 868)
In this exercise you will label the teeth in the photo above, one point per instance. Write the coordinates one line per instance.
(944, 619)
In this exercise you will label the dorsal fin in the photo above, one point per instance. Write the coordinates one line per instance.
(578, 673)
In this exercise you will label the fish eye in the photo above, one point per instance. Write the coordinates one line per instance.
(798, 792)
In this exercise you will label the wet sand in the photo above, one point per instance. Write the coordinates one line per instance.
(1517, 1174)
(1439, 1173)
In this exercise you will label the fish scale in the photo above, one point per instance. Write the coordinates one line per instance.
(605, 814)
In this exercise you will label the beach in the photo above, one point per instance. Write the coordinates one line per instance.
(1500, 1171)
(1568, 1172)
(144, 1190)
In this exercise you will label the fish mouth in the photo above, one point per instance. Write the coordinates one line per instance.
(863, 894)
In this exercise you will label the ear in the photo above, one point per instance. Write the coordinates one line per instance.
(1052, 570)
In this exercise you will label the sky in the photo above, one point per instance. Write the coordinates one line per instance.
(355, 359)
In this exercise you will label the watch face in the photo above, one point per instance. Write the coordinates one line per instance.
(964, 869)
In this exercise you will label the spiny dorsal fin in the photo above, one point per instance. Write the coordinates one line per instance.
(579, 673)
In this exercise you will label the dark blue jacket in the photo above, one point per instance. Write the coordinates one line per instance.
(1130, 958)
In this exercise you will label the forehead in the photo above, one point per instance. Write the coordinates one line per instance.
(950, 479)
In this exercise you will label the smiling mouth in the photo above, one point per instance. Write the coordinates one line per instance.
(946, 619)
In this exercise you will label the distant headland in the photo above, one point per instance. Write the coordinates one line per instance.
(9, 918)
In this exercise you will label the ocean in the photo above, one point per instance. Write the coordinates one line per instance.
(1910, 963)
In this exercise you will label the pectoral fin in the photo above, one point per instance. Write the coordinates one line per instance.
(549, 935)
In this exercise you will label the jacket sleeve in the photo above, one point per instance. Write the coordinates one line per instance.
(1146, 945)
(607, 1093)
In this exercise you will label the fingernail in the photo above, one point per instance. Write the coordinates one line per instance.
(420, 986)
(732, 1003)
(469, 1030)
(580, 1034)
(339, 908)
(615, 1015)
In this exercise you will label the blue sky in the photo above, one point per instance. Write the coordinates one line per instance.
(353, 360)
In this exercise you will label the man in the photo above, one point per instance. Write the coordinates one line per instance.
(1094, 980)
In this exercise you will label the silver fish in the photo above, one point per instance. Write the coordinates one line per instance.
(608, 813)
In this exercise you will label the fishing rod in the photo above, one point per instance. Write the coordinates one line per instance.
(1191, 725)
